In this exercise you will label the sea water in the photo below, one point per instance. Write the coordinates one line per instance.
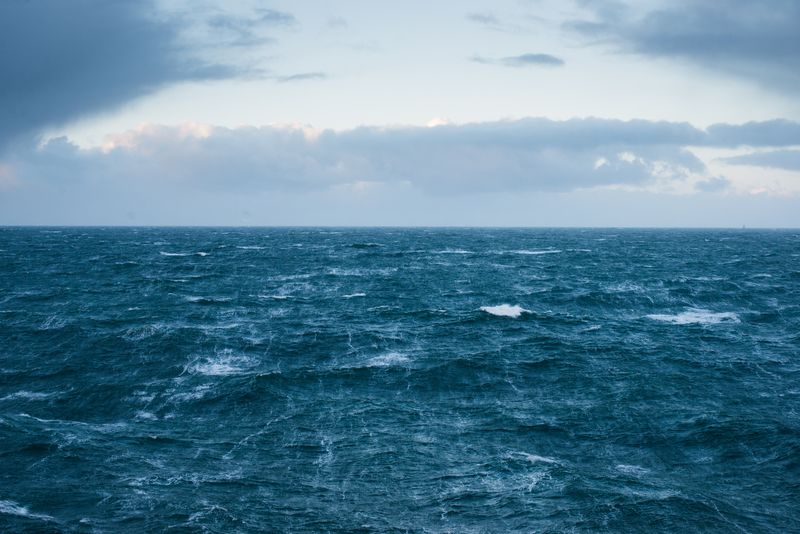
(399, 380)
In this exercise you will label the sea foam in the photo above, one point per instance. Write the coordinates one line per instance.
(12, 508)
(697, 316)
(505, 310)
(388, 360)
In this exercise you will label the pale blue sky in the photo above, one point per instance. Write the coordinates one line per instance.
(537, 112)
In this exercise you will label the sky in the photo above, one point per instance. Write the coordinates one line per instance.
(673, 113)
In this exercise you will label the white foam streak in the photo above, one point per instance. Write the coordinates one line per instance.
(182, 254)
(12, 508)
(388, 360)
(535, 252)
(27, 395)
(697, 316)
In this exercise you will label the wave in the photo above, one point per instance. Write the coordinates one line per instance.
(354, 295)
(531, 252)
(388, 360)
(634, 470)
(207, 300)
(532, 458)
(12, 508)
(336, 271)
(54, 322)
(183, 254)
(505, 310)
(27, 395)
(697, 316)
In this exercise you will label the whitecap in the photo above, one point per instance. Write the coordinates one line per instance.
(533, 252)
(505, 310)
(535, 458)
(27, 395)
(207, 300)
(215, 369)
(335, 271)
(196, 393)
(697, 316)
(453, 251)
(223, 364)
(175, 254)
(388, 360)
(202, 253)
(632, 469)
(12, 508)
(354, 295)
(274, 297)
(250, 247)
(54, 322)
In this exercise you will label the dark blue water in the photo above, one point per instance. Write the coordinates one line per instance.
(390, 380)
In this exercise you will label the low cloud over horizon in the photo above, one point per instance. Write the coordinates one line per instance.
(452, 161)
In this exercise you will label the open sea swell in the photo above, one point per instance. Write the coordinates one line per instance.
(399, 380)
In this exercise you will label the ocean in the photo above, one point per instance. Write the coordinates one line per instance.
(399, 380)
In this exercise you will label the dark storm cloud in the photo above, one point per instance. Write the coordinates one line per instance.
(61, 60)
(523, 60)
(755, 39)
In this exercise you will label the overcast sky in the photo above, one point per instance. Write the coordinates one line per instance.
(510, 112)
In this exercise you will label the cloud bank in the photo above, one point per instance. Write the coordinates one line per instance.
(754, 39)
(506, 156)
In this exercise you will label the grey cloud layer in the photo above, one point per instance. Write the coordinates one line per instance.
(755, 39)
(779, 159)
(60, 60)
(507, 156)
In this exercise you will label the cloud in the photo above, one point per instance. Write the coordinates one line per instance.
(302, 76)
(63, 60)
(337, 23)
(490, 21)
(777, 132)
(202, 174)
(523, 155)
(247, 30)
(753, 39)
(485, 19)
(780, 159)
(523, 60)
(502, 157)
(713, 185)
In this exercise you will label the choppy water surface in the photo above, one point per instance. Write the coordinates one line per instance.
(389, 380)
